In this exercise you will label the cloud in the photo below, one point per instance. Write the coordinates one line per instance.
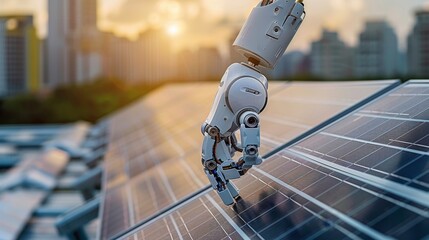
(131, 11)
(137, 14)
(343, 13)
(201, 20)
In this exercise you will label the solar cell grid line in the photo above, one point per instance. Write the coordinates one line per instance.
(387, 147)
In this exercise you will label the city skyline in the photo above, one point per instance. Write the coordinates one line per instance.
(201, 23)
(77, 51)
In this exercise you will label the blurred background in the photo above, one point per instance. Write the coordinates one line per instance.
(57, 56)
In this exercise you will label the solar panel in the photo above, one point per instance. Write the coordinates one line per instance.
(148, 167)
(312, 191)
(388, 139)
(299, 107)
(37, 170)
(15, 209)
(9, 156)
(143, 166)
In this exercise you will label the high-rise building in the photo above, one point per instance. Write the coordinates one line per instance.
(330, 57)
(377, 53)
(20, 65)
(234, 56)
(117, 58)
(289, 65)
(418, 46)
(56, 44)
(148, 59)
(202, 65)
(73, 49)
(156, 60)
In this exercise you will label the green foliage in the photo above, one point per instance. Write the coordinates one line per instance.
(88, 102)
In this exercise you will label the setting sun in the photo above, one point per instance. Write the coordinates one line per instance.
(173, 30)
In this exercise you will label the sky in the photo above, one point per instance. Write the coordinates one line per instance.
(194, 23)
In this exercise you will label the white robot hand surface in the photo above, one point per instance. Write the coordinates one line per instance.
(242, 95)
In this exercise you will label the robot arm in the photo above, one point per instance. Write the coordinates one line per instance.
(242, 94)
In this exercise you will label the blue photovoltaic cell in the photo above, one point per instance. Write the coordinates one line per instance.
(300, 107)
(387, 139)
(317, 190)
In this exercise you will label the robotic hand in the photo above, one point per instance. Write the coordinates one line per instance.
(242, 94)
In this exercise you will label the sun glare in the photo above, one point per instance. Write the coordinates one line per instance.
(173, 30)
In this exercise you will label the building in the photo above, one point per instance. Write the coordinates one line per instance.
(117, 58)
(155, 58)
(55, 51)
(148, 59)
(151, 60)
(330, 57)
(377, 53)
(204, 64)
(291, 64)
(418, 46)
(20, 65)
(73, 52)
(234, 56)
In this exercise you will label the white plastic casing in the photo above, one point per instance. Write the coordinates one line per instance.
(241, 88)
(246, 94)
(268, 31)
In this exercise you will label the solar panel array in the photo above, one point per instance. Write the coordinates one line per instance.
(365, 176)
(153, 158)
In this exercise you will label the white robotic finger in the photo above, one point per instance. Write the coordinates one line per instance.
(226, 197)
(227, 192)
(232, 189)
(251, 161)
(229, 171)
(212, 179)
